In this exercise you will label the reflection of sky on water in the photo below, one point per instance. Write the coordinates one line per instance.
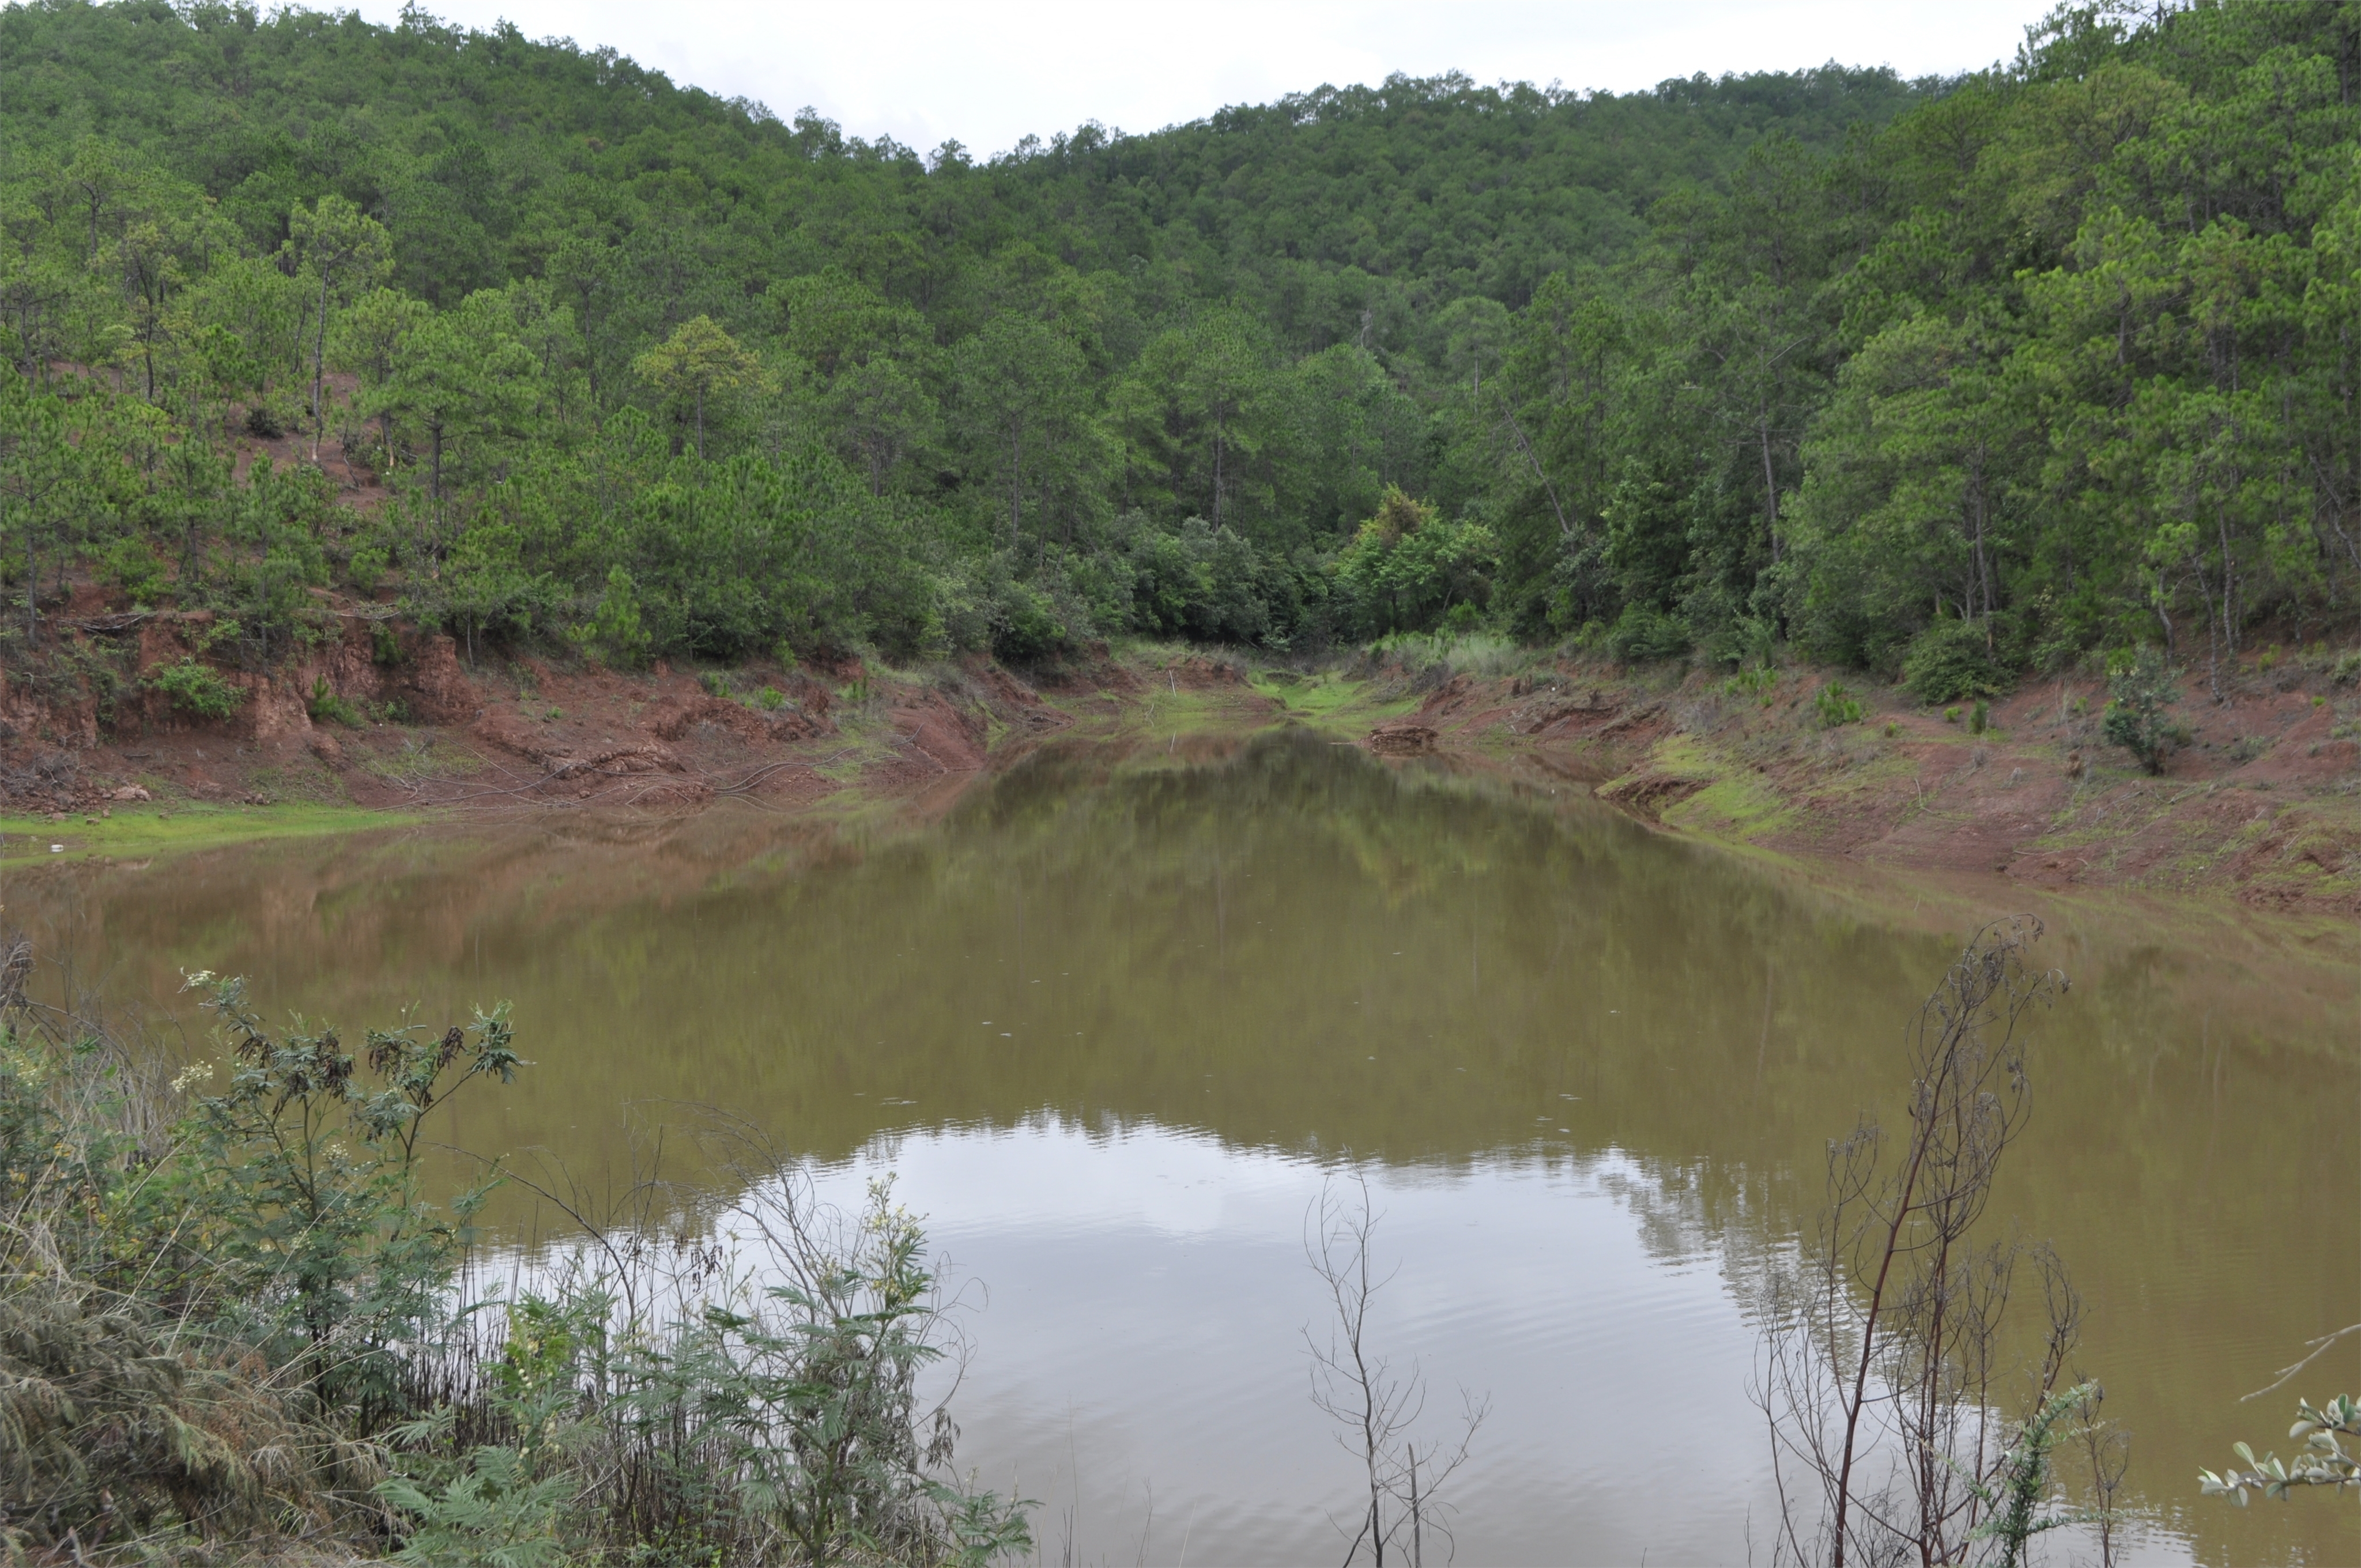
(1137, 1300)
(1597, 1066)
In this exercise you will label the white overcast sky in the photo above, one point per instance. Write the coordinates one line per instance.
(987, 73)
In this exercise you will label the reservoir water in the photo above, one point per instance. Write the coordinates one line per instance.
(1113, 1017)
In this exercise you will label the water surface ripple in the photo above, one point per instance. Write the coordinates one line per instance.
(1113, 1020)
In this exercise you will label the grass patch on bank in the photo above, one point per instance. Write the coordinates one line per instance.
(1330, 698)
(1214, 710)
(142, 830)
(415, 758)
(1733, 804)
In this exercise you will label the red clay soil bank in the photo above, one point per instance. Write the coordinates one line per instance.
(2264, 802)
(436, 732)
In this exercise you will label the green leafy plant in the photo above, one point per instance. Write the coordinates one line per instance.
(1950, 659)
(2138, 718)
(133, 567)
(493, 1513)
(2323, 1461)
(499, 1505)
(366, 567)
(241, 1321)
(2017, 1492)
(1644, 635)
(614, 634)
(385, 644)
(1026, 625)
(212, 634)
(1837, 706)
(1760, 682)
(160, 1278)
(320, 1152)
(1408, 569)
(716, 684)
(770, 699)
(1980, 718)
(198, 690)
(816, 1406)
(326, 708)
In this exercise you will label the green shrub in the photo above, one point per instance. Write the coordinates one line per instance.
(317, 1155)
(715, 683)
(1837, 706)
(1980, 718)
(209, 634)
(326, 708)
(1950, 659)
(131, 564)
(366, 568)
(2140, 692)
(1408, 570)
(234, 1330)
(201, 1321)
(385, 644)
(613, 635)
(1026, 626)
(1643, 635)
(1761, 683)
(770, 699)
(197, 690)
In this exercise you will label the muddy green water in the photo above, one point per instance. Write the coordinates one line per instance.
(1114, 1014)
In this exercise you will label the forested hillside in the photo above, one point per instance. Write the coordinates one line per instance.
(1946, 379)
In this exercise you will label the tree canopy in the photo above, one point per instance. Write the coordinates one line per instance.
(2002, 369)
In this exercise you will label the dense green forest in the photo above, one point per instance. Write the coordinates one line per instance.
(1947, 379)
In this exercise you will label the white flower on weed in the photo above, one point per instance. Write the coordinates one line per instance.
(195, 1072)
(192, 979)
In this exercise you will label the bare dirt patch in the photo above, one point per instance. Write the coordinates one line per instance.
(2263, 801)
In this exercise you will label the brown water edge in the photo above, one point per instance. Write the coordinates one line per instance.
(1216, 935)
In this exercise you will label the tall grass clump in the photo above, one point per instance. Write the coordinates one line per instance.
(1448, 653)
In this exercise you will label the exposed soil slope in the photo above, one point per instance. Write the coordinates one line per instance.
(408, 723)
(2264, 802)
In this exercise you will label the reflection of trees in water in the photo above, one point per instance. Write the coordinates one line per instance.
(1884, 1358)
(1216, 946)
